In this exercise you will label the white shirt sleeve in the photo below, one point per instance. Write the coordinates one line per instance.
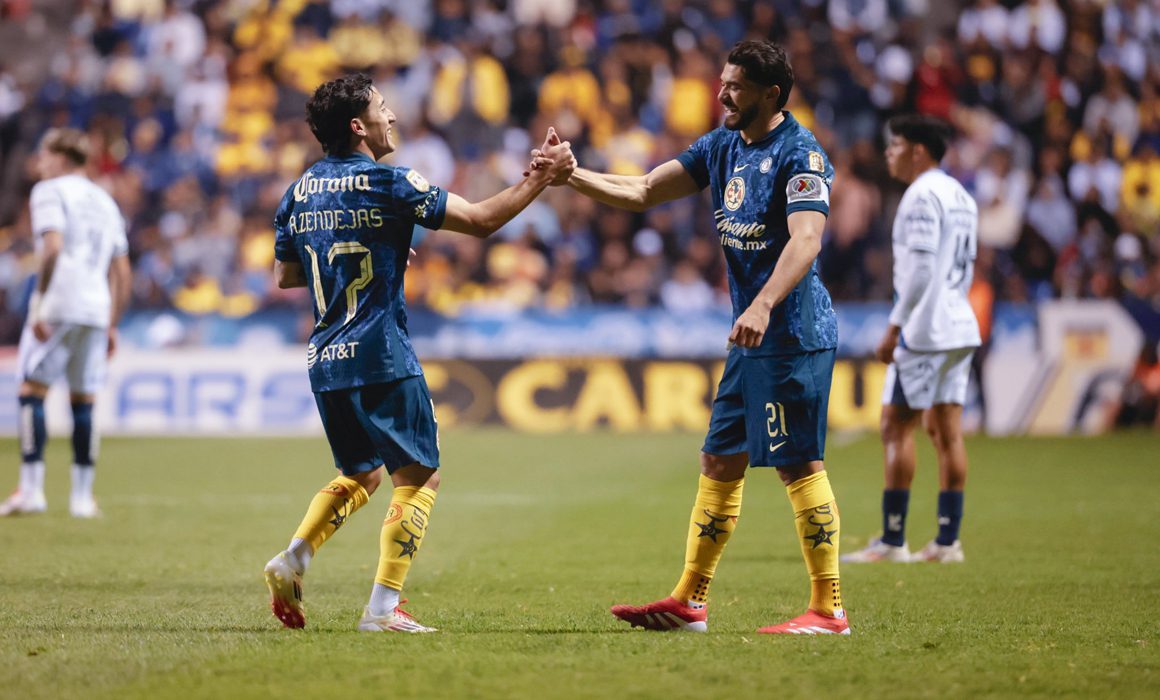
(920, 224)
(921, 266)
(47, 208)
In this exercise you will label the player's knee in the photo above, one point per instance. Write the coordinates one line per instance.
(794, 472)
(724, 467)
(433, 481)
(891, 429)
(944, 438)
(34, 390)
(369, 480)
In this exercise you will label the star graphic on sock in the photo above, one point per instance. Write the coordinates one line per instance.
(408, 547)
(822, 536)
(339, 518)
(710, 528)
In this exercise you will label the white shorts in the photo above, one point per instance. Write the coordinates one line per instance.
(76, 352)
(919, 380)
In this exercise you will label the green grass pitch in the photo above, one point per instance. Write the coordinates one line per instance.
(534, 537)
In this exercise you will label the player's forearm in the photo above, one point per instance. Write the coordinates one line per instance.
(621, 191)
(795, 261)
(921, 265)
(44, 274)
(488, 216)
(120, 285)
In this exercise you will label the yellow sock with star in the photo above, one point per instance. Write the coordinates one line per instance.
(329, 509)
(714, 517)
(402, 533)
(817, 521)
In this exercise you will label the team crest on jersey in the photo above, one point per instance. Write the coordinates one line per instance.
(806, 188)
(766, 165)
(734, 193)
(418, 181)
(817, 164)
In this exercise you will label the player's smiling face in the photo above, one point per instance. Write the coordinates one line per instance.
(377, 122)
(742, 98)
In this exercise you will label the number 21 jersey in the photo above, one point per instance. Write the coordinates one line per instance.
(937, 216)
(348, 221)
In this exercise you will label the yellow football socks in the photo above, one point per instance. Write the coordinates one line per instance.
(330, 509)
(714, 518)
(402, 533)
(817, 522)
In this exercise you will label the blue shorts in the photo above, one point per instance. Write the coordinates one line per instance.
(390, 424)
(773, 408)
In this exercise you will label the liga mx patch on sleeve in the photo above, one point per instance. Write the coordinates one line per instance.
(418, 181)
(807, 188)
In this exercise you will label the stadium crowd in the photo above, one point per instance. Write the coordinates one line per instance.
(195, 111)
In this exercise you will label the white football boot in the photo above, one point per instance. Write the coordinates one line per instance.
(20, 503)
(398, 620)
(285, 586)
(877, 551)
(941, 553)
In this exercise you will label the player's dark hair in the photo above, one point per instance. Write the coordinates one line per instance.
(929, 132)
(70, 143)
(331, 108)
(765, 63)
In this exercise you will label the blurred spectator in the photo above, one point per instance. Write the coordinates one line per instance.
(1113, 111)
(984, 22)
(1095, 177)
(1038, 24)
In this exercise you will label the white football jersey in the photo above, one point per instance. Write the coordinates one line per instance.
(938, 216)
(93, 233)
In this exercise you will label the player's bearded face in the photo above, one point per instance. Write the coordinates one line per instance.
(740, 97)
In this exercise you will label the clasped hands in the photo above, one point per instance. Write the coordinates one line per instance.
(554, 158)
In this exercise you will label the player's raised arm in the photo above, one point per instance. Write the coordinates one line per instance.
(805, 242)
(481, 219)
(666, 182)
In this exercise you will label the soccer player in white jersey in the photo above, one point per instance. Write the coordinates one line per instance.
(82, 287)
(932, 335)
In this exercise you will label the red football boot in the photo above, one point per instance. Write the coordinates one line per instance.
(663, 616)
(811, 623)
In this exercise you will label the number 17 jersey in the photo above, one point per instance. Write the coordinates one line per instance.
(348, 221)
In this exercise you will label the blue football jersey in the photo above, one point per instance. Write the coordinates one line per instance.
(755, 187)
(348, 221)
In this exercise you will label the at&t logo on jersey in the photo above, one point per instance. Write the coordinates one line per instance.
(338, 351)
(734, 193)
(309, 184)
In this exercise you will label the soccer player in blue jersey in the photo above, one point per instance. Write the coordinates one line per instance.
(344, 232)
(770, 183)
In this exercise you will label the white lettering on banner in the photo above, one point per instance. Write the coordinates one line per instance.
(228, 391)
(308, 184)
